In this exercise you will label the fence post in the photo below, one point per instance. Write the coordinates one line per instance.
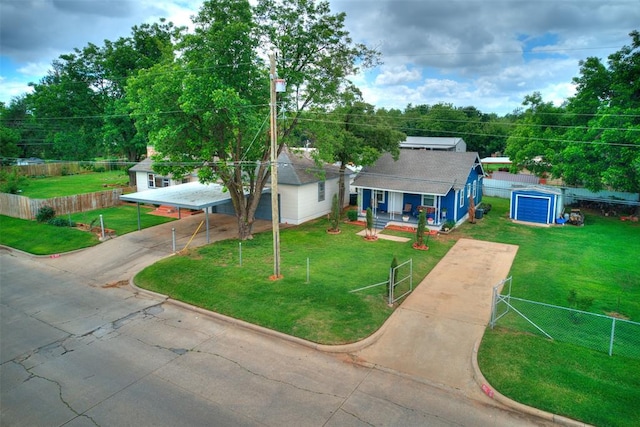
(493, 308)
(101, 226)
(391, 284)
(613, 331)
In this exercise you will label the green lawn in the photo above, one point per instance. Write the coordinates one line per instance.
(45, 239)
(599, 260)
(42, 239)
(58, 186)
(322, 310)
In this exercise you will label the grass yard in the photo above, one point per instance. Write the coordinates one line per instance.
(599, 260)
(45, 239)
(42, 239)
(58, 186)
(322, 310)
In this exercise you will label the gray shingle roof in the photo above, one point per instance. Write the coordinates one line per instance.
(143, 166)
(298, 168)
(419, 171)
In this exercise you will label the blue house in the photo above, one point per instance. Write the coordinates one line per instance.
(441, 183)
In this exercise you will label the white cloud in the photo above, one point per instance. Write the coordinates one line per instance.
(397, 74)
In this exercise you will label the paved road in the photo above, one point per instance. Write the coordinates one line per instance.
(79, 349)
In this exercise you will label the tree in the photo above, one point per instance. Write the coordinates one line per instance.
(217, 90)
(603, 149)
(334, 216)
(9, 137)
(535, 141)
(148, 45)
(355, 134)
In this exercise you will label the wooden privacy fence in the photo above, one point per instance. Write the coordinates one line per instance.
(64, 168)
(25, 208)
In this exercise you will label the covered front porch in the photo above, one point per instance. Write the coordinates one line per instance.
(402, 209)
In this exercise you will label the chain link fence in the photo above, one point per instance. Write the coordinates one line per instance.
(607, 334)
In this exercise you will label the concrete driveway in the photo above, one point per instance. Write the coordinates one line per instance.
(433, 333)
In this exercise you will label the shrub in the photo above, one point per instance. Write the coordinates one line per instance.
(61, 222)
(12, 182)
(45, 213)
(421, 227)
(352, 215)
(370, 221)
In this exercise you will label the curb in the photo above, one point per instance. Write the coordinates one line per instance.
(487, 389)
(338, 348)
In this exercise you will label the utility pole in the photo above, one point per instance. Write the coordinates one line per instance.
(275, 211)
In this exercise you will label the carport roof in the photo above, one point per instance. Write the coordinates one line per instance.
(192, 195)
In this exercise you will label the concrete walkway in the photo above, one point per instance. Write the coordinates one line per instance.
(433, 333)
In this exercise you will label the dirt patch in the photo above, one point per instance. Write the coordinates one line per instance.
(118, 284)
(616, 315)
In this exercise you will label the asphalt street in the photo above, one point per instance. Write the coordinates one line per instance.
(79, 348)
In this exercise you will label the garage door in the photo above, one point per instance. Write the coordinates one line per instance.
(532, 209)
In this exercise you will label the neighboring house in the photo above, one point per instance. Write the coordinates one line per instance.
(306, 191)
(144, 178)
(29, 161)
(439, 182)
(434, 143)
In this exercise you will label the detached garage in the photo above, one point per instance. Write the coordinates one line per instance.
(538, 205)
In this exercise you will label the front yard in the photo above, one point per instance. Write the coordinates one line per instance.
(599, 260)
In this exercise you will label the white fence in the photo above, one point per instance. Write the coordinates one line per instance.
(502, 189)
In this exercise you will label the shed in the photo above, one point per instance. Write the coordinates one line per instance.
(538, 204)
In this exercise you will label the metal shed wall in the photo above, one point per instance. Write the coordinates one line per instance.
(533, 206)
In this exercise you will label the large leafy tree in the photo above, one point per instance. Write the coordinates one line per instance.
(69, 103)
(203, 110)
(80, 103)
(534, 142)
(206, 110)
(353, 133)
(148, 45)
(603, 149)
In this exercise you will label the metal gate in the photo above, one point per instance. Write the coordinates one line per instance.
(400, 281)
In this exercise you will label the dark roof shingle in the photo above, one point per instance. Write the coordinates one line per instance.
(418, 171)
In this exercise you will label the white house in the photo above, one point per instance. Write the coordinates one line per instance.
(306, 190)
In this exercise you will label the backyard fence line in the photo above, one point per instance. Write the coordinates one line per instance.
(64, 168)
(502, 189)
(23, 207)
(608, 334)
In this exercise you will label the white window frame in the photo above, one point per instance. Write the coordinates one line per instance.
(321, 191)
(433, 200)
(475, 189)
(151, 180)
(462, 197)
(379, 197)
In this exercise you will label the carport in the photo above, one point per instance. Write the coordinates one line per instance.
(192, 195)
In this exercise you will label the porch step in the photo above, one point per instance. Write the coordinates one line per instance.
(380, 223)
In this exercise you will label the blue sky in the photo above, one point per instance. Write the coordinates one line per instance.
(484, 53)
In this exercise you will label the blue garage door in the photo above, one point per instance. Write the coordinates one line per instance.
(532, 209)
